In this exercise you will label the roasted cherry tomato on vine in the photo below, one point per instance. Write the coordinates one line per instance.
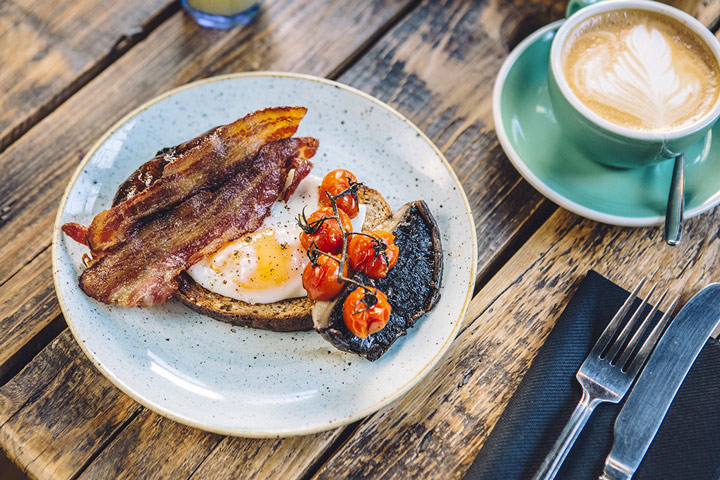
(375, 254)
(326, 234)
(366, 311)
(334, 183)
(320, 279)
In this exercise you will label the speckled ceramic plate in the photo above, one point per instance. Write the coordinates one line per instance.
(246, 382)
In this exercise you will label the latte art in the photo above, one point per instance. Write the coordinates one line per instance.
(641, 70)
(640, 80)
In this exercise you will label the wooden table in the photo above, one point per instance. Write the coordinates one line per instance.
(70, 69)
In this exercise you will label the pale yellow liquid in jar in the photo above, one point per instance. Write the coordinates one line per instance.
(222, 7)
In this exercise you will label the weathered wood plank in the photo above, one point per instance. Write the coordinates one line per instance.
(47, 435)
(49, 49)
(23, 300)
(707, 11)
(38, 166)
(160, 437)
(438, 428)
(141, 451)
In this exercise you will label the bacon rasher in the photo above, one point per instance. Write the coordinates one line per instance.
(143, 271)
(200, 164)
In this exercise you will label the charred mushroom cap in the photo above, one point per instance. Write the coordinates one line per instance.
(412, 285)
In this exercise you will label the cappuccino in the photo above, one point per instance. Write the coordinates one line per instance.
(641, 70)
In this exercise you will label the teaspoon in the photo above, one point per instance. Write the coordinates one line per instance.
(676, 203)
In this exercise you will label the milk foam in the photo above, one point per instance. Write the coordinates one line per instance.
(641, 75)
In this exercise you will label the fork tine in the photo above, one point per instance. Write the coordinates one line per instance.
(635, 340)
(625, 333)
(614, 324)
(652, 339)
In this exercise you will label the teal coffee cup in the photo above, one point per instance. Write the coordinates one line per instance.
(642, 92)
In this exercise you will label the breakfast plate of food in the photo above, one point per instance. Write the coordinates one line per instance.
(264, 254)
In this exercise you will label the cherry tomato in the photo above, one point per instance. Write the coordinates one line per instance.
(328, 237)
(366, 254)
(334, 183)
(363, 319)
(337, 177)
(347, 203)
(321, 280)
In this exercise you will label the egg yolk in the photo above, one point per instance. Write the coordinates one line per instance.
(266, 262)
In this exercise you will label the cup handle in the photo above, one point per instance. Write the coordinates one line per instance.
(575, 5)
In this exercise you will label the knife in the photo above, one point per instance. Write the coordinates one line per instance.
(650, 398)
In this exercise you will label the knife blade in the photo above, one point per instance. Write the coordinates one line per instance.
(655, 389)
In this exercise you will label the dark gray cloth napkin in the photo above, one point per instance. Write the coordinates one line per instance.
(687, 446)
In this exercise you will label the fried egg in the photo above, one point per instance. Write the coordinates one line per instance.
(266, 266)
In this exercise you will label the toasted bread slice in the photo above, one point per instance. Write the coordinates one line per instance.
(285, 316)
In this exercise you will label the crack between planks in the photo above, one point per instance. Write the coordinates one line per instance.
(348, 431)
(25, 264)
(372, 40)
(715, 27)
(537, 219)
(101, 447)
(122, 45)
(500, 294)
(202, 462)
(31, 398)
(27, 353)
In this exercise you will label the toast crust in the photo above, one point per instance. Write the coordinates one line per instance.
(289, 315)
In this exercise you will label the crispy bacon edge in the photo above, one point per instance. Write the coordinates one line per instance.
(153, 280)
(76, 231)
(239, 139)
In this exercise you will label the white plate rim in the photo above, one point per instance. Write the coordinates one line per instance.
(541, 186)
(270, 432)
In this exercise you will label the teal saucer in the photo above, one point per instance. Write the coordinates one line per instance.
(534, 143)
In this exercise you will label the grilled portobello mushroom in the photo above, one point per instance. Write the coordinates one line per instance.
(412, 285)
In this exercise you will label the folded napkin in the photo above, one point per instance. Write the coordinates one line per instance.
(687, 446)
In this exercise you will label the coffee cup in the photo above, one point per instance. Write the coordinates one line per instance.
(633, 82)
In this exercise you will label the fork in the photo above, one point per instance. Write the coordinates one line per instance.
(607, 373)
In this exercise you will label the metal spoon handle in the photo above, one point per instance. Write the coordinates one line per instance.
(676, 203)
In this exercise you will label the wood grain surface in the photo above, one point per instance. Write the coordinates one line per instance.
(141, 451)
(49, 49)
(707, 11)
(435, 61)
(53, 422)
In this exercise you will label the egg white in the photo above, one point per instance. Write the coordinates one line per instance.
(266, 266)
